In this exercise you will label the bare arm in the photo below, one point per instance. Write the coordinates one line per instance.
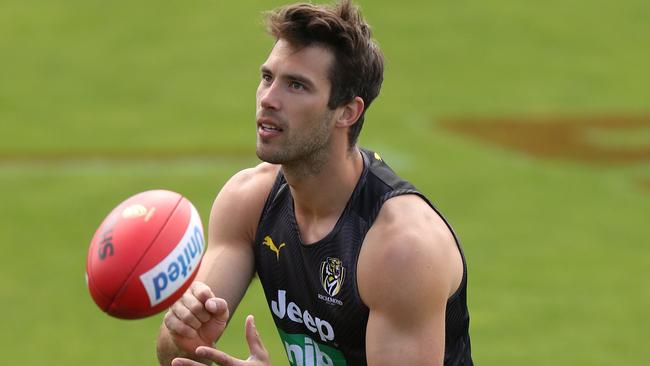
(408, 267)
(198, 319)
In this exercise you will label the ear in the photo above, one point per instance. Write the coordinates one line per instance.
(350, 112)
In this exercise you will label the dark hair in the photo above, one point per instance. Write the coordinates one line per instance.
(358, 68)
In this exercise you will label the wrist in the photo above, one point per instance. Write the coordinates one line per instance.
(167, 348)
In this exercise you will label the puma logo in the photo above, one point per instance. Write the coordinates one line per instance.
(269, 243)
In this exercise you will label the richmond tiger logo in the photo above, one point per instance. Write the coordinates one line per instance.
(332, 275)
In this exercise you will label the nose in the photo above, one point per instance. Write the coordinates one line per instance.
(268, 96)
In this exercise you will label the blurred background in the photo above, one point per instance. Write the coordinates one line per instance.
(492, 108)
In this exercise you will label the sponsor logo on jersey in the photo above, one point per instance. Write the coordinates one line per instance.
(275, 249)
(332, 275)
(304, 351)
(315, 325)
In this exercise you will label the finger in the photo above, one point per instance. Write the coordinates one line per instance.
(217, 307)
(195, 307)
(221, 358)
(255, 345)
(178, 327)
(201, 291)
(211, 330)
(185, 315)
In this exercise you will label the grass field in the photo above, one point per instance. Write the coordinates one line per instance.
(100, 100)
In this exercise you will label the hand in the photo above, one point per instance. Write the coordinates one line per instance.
(198, 318)
(258, 354)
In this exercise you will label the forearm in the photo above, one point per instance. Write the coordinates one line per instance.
(166, 349)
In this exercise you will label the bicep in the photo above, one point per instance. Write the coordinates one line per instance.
(405, 339)
(407, 302)
(228, 265)
(407, 270)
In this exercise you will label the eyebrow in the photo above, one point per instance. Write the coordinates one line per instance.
(294, 77)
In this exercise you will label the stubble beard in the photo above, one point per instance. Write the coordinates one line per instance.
(304, 155)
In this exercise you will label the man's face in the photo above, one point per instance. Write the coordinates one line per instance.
(293, 120)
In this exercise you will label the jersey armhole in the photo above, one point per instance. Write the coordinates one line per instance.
(400, 192)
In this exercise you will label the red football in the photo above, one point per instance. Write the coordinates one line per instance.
(145, 254)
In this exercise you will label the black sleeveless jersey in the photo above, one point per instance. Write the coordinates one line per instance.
(312, 289)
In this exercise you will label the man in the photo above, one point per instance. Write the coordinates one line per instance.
(357, 266)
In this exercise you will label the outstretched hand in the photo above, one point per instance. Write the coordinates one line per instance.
(258, 354)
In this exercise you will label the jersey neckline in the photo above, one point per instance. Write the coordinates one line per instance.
(339, 222)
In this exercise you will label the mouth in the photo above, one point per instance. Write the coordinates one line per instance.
(269, 128)
(265, 124)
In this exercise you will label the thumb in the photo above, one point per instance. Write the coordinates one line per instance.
(255, 345)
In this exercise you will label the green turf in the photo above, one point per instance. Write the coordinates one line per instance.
(100, 100)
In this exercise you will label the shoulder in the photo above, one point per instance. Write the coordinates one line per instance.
(239, 204)
(409, 218)
(409, 251)
(253, 180)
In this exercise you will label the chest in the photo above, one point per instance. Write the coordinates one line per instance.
(312, 289)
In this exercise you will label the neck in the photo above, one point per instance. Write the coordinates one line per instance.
(321, 192)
